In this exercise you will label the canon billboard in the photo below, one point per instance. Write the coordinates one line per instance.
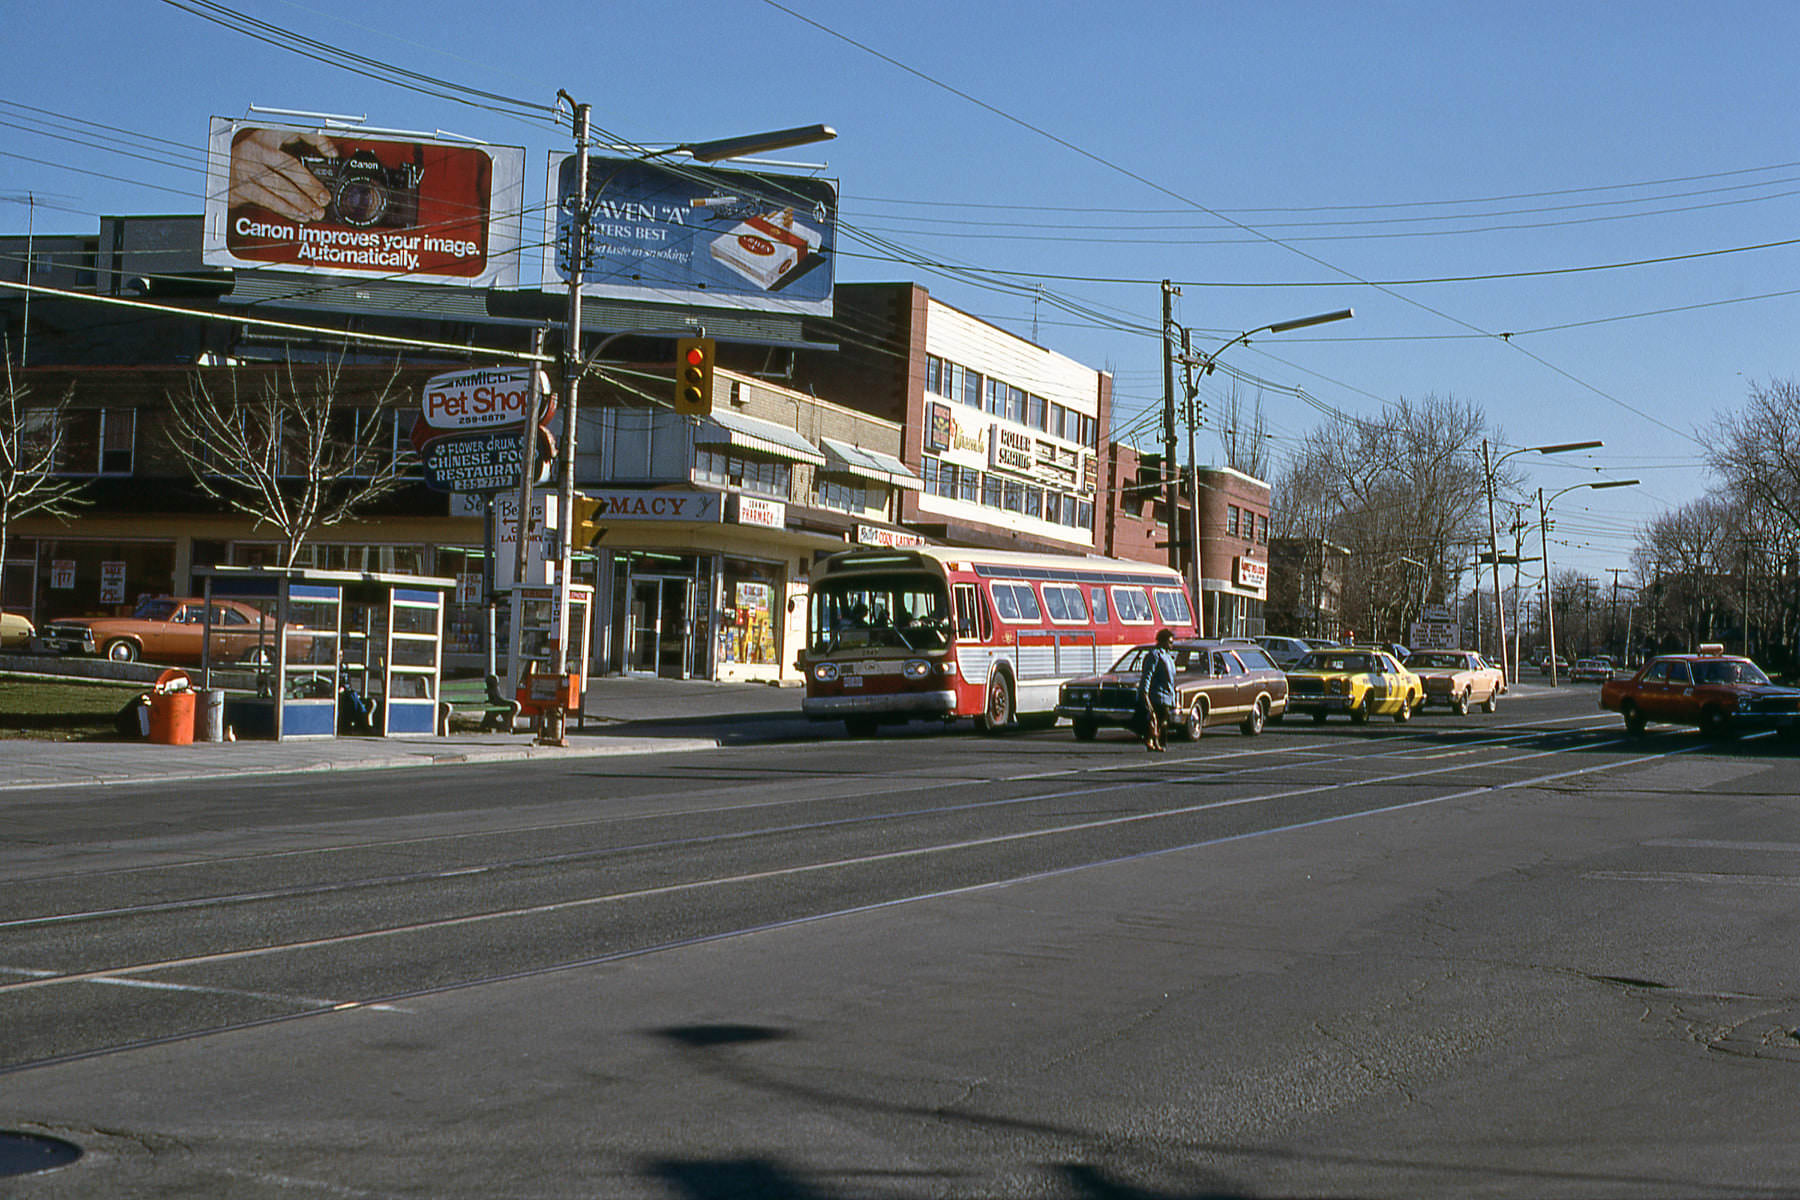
(342, 202)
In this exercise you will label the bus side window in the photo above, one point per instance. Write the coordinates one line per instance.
(966, 608)
(1098, 595)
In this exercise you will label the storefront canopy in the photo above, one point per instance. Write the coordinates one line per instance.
(747, 433)
(869, 464)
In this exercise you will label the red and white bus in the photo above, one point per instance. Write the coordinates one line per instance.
(936, 631)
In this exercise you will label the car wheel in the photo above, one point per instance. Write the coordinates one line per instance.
(258, 656)
(1460, 704)
(1360, 714)
(1259, 716)
(120, 650)
(861, 727)
(1714, 723)
(1195, 723)
(1085, 730)
(1406, 711)
(998, 716)
(1634, 720)
(1492, 702)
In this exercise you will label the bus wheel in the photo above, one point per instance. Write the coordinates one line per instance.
(998, 716)
(861, 727)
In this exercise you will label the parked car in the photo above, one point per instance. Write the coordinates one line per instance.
(1591, 670)
(1721, 693)
(1457, 679)
(1355, 681)
(1544, 666)
(167, 629)
(1286, 651)
(1219, 682)
(15, 631)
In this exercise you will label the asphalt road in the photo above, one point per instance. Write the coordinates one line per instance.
(1508, 955)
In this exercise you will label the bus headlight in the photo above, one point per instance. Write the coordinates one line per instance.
(916, 668)
(825, 672)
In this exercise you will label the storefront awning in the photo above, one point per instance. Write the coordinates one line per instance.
(869, 464)
(748, 433)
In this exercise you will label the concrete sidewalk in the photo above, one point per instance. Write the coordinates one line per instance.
(624, 716)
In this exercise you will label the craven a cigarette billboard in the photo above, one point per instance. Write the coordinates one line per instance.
(340, 202)
(688, 234)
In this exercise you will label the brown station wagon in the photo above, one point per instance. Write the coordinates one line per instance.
(1220, 683)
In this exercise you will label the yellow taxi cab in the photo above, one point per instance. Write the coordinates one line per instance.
(1359, 681)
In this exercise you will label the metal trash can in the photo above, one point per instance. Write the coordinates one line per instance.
(209, 715)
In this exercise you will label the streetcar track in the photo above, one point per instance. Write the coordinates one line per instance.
(1314, 755)
(573, 856)
(394, 999)
(664, 890)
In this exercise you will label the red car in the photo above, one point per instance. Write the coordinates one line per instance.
(1721, 693)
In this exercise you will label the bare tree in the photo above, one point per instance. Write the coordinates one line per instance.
(1756, 451)
(1397, 491)
(294, 449)
(1245, 436)
(31, 442)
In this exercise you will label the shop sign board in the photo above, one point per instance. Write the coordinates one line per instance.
(683, 233)
(764, 514)
(62, 574)
(1010, 451)
(476, 462)
(340, 201)
(965, 445)
(648, 504)
(891, 539)
(486, 398)
(1432, 633)
(1251, 573)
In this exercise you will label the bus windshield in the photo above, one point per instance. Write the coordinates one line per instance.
(909, 611)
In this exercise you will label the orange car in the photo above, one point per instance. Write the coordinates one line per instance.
(167, 629)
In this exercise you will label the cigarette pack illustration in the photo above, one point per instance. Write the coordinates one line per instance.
(767, 249)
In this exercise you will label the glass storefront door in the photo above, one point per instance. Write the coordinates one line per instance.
(659, 619)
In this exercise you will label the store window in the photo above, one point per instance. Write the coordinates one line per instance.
(758, 477)
(747, 631)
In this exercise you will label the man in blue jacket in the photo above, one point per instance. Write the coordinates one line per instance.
(1156, 689)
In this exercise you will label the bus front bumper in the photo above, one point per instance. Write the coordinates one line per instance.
(896, 704)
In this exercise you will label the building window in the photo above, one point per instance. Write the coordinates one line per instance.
(1231, 520)
(996, 397)
(1262, 529)
(844, 495)
(993, 491)
(1035, 412)
(971, 388)
(934, 374)
(94, 441)
(759, 477)
(971, 486)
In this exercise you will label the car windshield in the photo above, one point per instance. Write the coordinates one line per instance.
(1446, 662)
(1726, 671)
(154, 608)
(1334, 662)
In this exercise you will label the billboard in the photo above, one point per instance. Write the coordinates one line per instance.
(340, 202)
(688, 234)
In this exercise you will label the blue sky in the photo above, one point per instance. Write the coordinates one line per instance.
(1336, 150)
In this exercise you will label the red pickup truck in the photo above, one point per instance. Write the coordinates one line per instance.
(1721, 693)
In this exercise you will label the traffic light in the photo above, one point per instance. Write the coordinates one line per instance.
(583, 529)
(693, 376)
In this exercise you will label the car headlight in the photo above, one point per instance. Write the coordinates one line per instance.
(825, 672)
(1338, 685)
(916, 668)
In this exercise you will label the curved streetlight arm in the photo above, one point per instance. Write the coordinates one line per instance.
(1206, 361)
(1544, 504)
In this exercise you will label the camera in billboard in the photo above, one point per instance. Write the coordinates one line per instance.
(364, 193)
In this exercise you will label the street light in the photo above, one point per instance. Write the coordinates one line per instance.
(1544, 549)
(1205, 363)
(572, 362)
(1489, 469)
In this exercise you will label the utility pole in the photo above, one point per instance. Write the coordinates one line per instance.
(1612, 608)
(1171, 484)
(571, 383)
(1190, 391)
(1487, 470)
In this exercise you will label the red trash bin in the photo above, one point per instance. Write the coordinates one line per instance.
(172, 710)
